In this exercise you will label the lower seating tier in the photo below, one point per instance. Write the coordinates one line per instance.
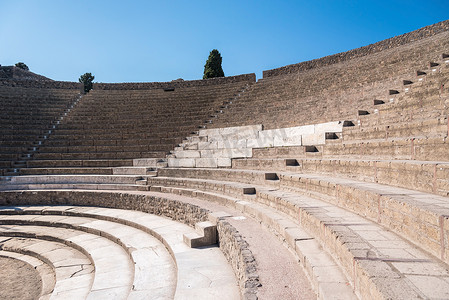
(419, 217)
(135, 255)
(378, 262)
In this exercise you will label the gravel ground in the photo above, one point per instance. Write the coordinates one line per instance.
(19, 280)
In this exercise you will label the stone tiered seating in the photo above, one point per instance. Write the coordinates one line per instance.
(147, 123)
(375, 195)
(27, 114)
(115, 253)
(354, 240)
(343, 159)
(330, 93)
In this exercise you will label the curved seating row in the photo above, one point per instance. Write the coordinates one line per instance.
(135, 255)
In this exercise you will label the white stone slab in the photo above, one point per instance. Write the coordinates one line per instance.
(329, 127)
(206, 132)
(240, 130)
(181, 162)
(313, 139)
(224, 162)
(288, 140)
(206, 163)
(207, 145)
(187, 154)
(237, 153)
(209, 153)
(260, 142)
(228, 144)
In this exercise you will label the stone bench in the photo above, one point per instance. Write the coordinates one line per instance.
(125, 228)
(339, 230)
(72, 271)
(425, 176)
(67, 171)
(367, 199)
(108, 282)
(437, 127)
(79, 163)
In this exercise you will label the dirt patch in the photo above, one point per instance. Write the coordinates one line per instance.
(19, 280)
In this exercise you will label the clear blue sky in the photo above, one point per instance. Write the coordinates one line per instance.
(139, 41)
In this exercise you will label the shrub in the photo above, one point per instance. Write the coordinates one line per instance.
(22, 66)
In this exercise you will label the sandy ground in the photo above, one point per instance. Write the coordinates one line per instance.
(18, 280)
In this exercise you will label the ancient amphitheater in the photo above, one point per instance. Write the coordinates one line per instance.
(326, 179)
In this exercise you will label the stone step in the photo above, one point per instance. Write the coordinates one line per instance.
(149, 171)
(150, 162)
(149, 256)
(74, 179)
(113, 271)
(327, 277)
(384, 204)
(70, 186)
(364, 249)
(72, 271)
(205, 235)
(191, 263)
(413, 174)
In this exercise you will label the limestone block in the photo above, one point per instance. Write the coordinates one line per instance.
(329, 127)
(224, 162)
(227, 144)
(288, 140)
(206, 235)
(290, 136)
(209, 132)
(150, 162)
(237, 153)
(206, 163)
(207, 145)
(187, 154)
(260, 142)
(313, 139)
(298, 130)
(240, 130)
(196, 139)
(181, 162)
(209, 153)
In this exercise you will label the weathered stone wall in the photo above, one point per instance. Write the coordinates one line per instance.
(12, 72)
(174, 84)
(236, 251)
(393, 42)
(41, 84)
(181, 212)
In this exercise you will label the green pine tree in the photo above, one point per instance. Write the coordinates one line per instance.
(213, 68)
(87, 79)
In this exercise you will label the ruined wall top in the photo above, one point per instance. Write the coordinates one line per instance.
(174, 84)
(390, 43)
(12, 72)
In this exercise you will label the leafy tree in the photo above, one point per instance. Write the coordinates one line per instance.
(22, 65)
(213, 68)
(87, 79)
